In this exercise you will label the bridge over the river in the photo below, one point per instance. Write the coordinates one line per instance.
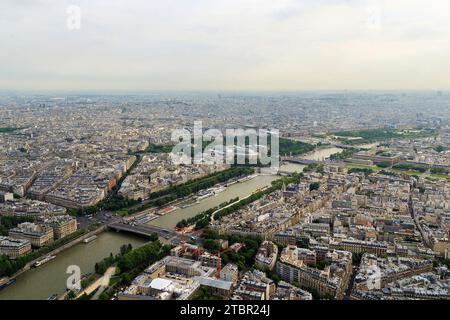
(142, 229)
(299, 160)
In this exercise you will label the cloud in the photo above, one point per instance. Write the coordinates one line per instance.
(225, 44)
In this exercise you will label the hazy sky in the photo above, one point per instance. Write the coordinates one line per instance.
(225, 45)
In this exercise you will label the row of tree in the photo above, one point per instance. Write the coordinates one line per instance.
(198, 184)
(117, 202)
(276, 185)
(440, 170)
(202, 219)
(344, 154)
(314, 167)
(410, 167)
(366, 171)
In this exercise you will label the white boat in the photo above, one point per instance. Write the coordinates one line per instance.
(166, 210)
(43, 261)
(204, 196)
(90, 239)
(219, 190)
(146, 218)
(247, 178)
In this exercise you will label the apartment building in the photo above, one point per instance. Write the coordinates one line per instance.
(330, 282)
(359, 246)
(62, 225)
(14, 248)
(37, 234)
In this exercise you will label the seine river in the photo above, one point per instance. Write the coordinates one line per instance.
(240, 189)
(322, 154)
(50, 278)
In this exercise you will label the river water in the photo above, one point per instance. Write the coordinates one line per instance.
(240, 190)
(366, 145)
(50, 278)
(322, 154)
(292, 167)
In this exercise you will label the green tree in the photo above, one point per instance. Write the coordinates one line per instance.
(71, 295)
(439, 148)
(211, 245)
(103, 296)
(314, 186)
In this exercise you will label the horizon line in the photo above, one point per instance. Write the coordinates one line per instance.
(210, 91)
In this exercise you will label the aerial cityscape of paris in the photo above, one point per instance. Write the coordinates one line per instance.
(236, 150)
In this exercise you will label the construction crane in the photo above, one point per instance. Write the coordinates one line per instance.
(219, 262)
(197, 252)
(182, 234)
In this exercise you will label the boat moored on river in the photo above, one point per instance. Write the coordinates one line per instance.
(90, 239)
(5, 282)
(43, 261)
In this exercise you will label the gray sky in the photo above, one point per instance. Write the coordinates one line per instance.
(225, 45)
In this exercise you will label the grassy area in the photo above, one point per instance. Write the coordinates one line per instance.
(363, 166)
(430, 176)
(155, 148)
(373, 135)
(410, 172)
(440, 175)
(114, 280)
(122, 212)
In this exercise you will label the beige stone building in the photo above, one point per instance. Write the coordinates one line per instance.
(38, 234)
(14, 248)
(62, 225)
(329, 282)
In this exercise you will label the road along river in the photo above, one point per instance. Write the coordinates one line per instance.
(50, 278)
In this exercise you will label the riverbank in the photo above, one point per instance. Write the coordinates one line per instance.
(57, 251)
(222, 178)
(321, 154)
(236, 202)
(50, 278)
(240, 189)
(101, 283)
